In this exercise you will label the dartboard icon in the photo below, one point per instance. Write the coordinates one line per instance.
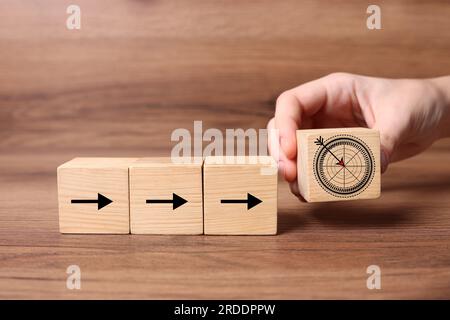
(344, 165)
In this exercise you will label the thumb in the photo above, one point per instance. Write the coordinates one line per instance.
(387, 148)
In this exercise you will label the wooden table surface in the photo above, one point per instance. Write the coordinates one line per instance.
(136, 71)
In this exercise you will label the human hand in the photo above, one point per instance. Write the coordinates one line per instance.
(410, 114)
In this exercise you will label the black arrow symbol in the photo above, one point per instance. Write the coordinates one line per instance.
(251, 201)
(176, 200)
(101, 200)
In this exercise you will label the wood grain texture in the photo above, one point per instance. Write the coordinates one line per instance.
(159, 178)
(136, 71)
(84, 179)
(338, 175)
(234, 180)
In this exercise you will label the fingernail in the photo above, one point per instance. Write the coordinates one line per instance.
(281, 167)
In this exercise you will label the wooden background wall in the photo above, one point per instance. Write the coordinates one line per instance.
(138, 69)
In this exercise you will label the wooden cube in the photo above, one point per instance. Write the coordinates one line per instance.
(338, 164)
(93, 195)
(166, 196)
(240, 195)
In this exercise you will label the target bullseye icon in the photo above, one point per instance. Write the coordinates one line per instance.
(344, 166)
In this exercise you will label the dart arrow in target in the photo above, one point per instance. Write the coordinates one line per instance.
(320, 142)
(341, 162)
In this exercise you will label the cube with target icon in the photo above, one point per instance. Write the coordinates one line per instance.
(338, 164)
